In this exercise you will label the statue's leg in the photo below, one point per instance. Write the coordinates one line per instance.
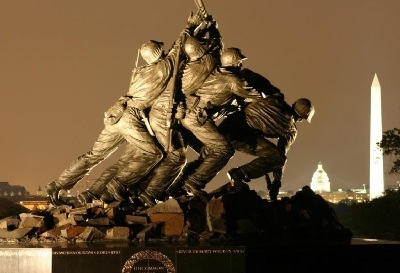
(219, 151)
(170, 167)
(269, 158)
(175, 189)
(98, 190)
(244, 139)
(146, 155)
(107, 142)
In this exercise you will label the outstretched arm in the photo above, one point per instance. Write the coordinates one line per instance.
(240, 88)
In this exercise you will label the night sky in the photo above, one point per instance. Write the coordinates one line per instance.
(63, 63)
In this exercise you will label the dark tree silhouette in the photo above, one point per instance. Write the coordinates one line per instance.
(373, 219)
(390, 145)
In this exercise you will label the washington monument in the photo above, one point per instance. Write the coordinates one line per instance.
(376, 186)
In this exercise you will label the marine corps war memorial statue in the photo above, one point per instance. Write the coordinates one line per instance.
(197, 94)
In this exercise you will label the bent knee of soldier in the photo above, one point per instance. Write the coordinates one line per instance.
(178, 157)
(94, 156)
(227, 150)
(230, 151)
(153, 155)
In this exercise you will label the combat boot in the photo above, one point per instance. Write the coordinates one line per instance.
(194, 189)
(86, 197)
(52, 191)
(147, 199)
(238, 177)
(107, 197)
(273, 190)
(117, 190)
(176, 191)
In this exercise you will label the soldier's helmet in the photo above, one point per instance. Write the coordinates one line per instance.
(151, 51)
(232, 57)
(304, 108)
(193, 49)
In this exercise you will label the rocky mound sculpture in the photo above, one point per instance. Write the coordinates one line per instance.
(238, 216)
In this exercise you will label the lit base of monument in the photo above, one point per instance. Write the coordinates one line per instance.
(122, 257)
(110, 257)
(25, 260)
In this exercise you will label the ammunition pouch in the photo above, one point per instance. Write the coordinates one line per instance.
(114, 113)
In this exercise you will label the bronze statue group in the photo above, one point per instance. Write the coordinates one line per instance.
(197, 96)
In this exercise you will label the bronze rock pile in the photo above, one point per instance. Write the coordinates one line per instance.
(225, 215)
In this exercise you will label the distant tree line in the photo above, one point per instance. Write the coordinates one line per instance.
(375, 219)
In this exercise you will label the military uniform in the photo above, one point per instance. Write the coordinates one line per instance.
(252, 131)
(169, 169)
(220, 88)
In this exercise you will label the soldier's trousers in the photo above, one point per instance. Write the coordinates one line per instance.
(100, 185)
(170, 167)
(252, 142)
(219, 149)
(142, 158)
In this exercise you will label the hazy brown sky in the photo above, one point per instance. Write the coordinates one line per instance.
(63, 63)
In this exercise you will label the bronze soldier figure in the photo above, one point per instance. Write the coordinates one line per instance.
(168, 170)
(124, 120)
(203, 55)
(159, 111)
(251, 131)
(219, 89)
